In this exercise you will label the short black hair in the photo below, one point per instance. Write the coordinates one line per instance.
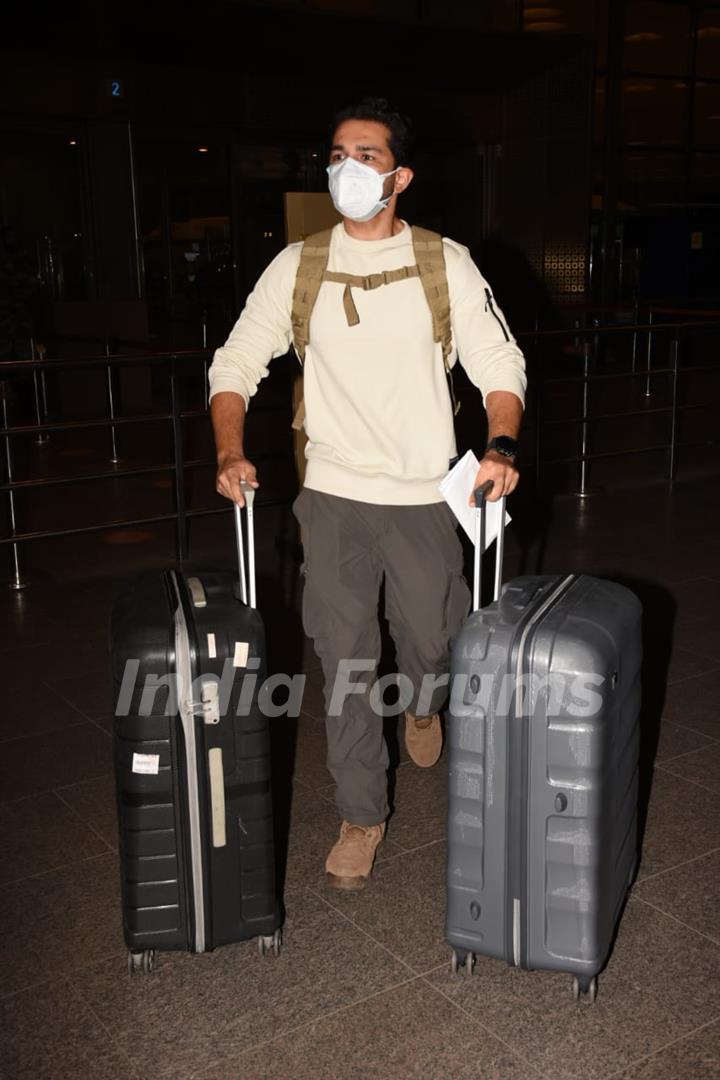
(382, 112)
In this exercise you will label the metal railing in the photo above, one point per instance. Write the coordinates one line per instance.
(180, 363)
(635, 375)
(177, 363)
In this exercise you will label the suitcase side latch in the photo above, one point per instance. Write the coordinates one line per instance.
(210, 701)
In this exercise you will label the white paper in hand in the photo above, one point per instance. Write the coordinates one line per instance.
(456, 488)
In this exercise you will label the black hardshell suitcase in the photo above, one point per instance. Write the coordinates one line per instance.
(192, 763)
(543, 778)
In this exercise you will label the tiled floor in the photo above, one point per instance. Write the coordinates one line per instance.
(362, 987)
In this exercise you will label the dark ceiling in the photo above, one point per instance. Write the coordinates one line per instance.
(236, 37)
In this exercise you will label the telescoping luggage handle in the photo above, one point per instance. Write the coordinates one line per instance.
(481, 495)
(249, 496)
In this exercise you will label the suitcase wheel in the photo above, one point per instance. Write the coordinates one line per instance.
(462, 961)
(141, 961)
(270, 943)
(582, 984)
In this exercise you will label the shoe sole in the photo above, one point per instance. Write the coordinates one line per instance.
(347, 884)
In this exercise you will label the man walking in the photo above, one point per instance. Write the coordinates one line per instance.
(379, 312)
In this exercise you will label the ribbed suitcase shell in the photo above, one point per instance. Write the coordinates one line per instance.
(177, 894)
(543, 797)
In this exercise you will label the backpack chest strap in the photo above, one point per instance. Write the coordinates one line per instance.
(370, 281)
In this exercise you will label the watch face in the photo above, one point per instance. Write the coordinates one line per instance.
(504, 444)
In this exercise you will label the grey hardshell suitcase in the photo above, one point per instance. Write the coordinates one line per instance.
(192, 763)
(543, 737)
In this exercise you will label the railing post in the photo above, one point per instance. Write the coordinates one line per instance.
(206, 388)
(648, 391)
(181, 544)
(18, 581)
(41, 351)
(538, 435)
(42, 436)
(636, 316)
(583, 489)
(111, 405)
(675, 357)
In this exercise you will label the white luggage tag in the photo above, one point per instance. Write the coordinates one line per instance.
(455, 488)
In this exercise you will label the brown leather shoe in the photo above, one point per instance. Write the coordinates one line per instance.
(423, 738)
(350, 862)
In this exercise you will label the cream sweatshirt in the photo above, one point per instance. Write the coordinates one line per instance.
(378, 413)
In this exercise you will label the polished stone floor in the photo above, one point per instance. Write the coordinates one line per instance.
(362, 987)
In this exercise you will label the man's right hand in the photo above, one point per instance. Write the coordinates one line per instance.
(231, 471)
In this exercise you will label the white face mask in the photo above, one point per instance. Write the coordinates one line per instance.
(356, 189)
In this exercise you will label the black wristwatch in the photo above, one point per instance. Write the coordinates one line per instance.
(503, 444)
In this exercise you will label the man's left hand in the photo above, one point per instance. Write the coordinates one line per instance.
(503, 473)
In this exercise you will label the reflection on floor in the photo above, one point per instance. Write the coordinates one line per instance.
(363, 986)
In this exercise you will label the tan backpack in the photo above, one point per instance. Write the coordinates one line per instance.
(312, 271)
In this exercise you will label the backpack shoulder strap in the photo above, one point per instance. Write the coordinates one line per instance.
(430, 257)
(313, 264)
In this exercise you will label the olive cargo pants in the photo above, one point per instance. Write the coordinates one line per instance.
(348, 546)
